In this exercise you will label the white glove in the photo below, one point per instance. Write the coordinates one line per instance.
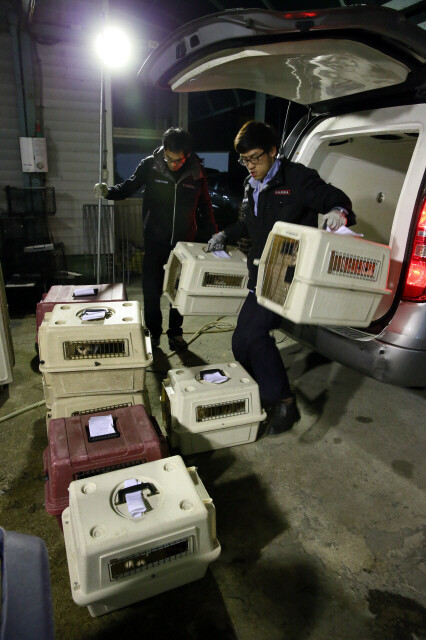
(217, 242)
(335, 219)
(101, 190)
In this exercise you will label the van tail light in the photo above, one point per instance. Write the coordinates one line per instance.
(415, 284)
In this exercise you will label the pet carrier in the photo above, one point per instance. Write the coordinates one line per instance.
(134, 533)
(96, 349)
(211, 407)
(76, 451)
(197, 282)
(64, 294)
(82, 405)
(312, 276)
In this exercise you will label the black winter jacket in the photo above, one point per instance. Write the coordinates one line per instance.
(295, 194)
(172, 200)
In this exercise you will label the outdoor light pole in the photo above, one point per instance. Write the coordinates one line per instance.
(113, 49)
(101, 158)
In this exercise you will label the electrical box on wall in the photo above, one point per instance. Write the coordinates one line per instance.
(33, 155)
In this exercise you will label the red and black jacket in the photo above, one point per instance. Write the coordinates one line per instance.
(172, 200)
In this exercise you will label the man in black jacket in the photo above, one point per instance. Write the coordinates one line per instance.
(175, 194)
(276, 189)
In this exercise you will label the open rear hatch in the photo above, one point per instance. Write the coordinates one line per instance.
(318, 58)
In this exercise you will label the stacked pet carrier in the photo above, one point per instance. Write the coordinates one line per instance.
(70, 294)
(316, 277)
(136, 522)
(211, 407)
(93, 350)
(93, 443)
(133, 533)
(197, 282)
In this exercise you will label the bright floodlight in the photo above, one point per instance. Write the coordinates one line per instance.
(113, 47)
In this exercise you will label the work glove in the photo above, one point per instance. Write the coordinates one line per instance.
(217, 242)
(335, 219)
(101, 190)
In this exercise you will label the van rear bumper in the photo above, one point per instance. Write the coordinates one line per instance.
(377, 359)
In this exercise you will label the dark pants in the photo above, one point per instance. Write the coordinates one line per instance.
(256, 350)
(156, 256)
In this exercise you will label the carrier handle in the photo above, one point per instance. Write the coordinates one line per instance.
(121, 495)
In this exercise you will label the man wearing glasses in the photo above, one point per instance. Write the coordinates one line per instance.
(175, 194)
(276, 189)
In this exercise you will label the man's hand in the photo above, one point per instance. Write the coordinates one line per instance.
(335, 219)
(101, 190)
(217, 242)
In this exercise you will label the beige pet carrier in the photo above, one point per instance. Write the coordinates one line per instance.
(197, 282)
(312, 276)
(83, 355)
(211, 407)
(126, 542)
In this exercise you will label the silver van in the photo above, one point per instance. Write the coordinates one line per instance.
(362, 73)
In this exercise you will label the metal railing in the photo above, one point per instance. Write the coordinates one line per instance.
(121, 241)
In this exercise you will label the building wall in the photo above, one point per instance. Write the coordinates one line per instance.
(71, 93)
(10, 159)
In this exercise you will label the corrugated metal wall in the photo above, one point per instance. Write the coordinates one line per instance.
(10, 159)
(71, 91)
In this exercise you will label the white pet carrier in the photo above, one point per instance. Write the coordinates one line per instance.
(312, 276)
(197, 282)
(211, 407)
(83, 354)
(127, 542)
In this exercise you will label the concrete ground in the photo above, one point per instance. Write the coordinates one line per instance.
(322, 528)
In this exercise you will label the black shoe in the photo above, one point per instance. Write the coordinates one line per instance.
(155, 343)
(177, 343)
(281, 418)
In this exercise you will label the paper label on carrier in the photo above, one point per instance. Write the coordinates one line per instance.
(221, 254)
(215, 377)
(84, 292)
(94, 314)
(101, 426)
(135, 502)
(345, 231)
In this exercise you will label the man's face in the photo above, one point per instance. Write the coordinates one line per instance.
(175, 160)
(258, 162)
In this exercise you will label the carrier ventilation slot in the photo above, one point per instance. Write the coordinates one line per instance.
(222, 410)
(98, 410)
(112, 467)
(174, 276)
(352, 266)
(223, 280)
(87, 349)
(128, 566)
(279, 268)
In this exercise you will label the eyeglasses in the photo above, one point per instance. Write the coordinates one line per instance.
(252, 160)
(174, 162)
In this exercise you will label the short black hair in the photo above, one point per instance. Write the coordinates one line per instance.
(256, 135)
(178, 140)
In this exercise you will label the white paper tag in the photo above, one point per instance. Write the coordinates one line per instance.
(215, 377)
(101, 426)
(135, 502)
(94, 314)
(221, 254)
(345, 231)
(84, 292)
